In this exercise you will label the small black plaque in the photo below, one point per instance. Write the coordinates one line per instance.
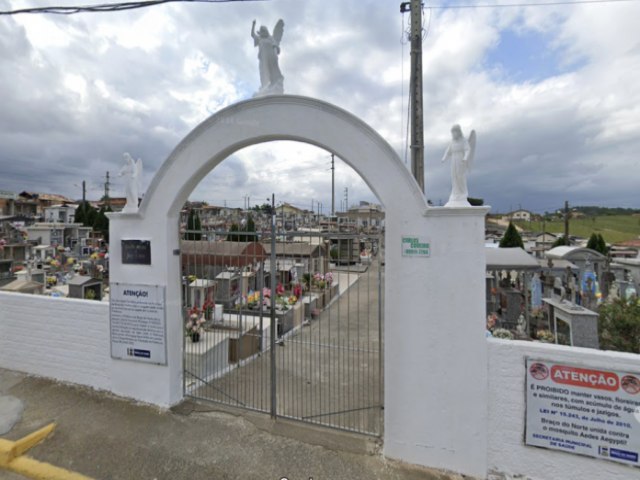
(136, 252)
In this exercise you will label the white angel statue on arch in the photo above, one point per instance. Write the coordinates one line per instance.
(132, 170)
(271, 79)
(461, 152)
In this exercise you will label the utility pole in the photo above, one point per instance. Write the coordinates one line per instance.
(346, 199)
(333, 186)
(107, 184)
(84, 192)
(415, 91)
(566, 223)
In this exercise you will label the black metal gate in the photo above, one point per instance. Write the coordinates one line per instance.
(286, 323)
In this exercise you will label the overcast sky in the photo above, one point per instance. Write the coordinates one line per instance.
(553, 93)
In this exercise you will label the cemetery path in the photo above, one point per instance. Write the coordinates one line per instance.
(327, 372)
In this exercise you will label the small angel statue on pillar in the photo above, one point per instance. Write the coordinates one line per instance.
(132, 170)
(271, 79)
(460, 151)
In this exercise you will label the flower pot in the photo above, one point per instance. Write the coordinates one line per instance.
(195, 337)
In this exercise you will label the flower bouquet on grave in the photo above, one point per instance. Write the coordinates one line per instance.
(297, 290)
(545, 336)
(318, 281)
(282, 303)
(502, 333)
(207, 309)
(328, 278)
(194, 325)
(253, 299)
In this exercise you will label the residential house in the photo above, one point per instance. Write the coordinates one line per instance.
(64, 213)
(290, 217)
(12, 241)
(519, 216)
(365, 216)
(24, 204)
(116, 204)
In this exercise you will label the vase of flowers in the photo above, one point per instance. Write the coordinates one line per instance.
(207, 308)
(193, 327)
(318, 281)
(253, 299)
(297, 290)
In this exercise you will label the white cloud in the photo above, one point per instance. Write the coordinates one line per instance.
(81, 90)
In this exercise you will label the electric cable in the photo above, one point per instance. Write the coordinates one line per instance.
(109, 7)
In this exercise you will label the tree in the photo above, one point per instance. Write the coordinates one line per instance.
(511, 238)
(85, 214)
(233, 236)
(250, 228)
(264, 208)
(619, 325)
(194, 226)
(560, 241)
(597, 243)
(80, 214)
(101, 222)
(243, 234)
(602, 245)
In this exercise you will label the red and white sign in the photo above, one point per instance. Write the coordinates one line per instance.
(584, 410)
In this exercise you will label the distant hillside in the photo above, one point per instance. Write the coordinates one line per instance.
(592, 211)
(614, 228)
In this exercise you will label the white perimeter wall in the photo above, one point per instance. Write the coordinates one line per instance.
(506, 449)
(68, 340)
(64, 339)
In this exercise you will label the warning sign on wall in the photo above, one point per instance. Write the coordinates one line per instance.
(137, 323)
(583, 410)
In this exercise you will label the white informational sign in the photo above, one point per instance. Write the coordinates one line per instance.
(415, 246)
(584, 410)
(138, 323)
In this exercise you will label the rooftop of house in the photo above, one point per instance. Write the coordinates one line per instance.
(49, 197)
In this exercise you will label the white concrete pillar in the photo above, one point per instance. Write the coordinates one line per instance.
(435, 349)
(157, 384)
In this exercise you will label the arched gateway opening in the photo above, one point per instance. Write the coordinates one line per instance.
(423, 316)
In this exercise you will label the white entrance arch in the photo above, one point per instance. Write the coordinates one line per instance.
(435, 353)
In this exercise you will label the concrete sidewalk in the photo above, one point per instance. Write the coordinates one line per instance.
(105, 437)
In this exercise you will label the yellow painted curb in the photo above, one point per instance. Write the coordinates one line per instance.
(11, 458)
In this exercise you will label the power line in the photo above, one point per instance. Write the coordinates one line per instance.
(110, 7)
(527, 4)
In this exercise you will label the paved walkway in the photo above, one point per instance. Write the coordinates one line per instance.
(110, 438)
(328, 372)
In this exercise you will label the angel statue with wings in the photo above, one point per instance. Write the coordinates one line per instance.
(460, 151)
(271, 79)
(132, 169)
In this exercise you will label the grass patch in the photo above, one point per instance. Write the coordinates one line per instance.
(614, 228)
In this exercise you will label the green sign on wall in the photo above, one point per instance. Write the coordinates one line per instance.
(415, 246)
